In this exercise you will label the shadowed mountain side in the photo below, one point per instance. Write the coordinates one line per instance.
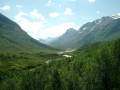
(12, 37)
(105, 28)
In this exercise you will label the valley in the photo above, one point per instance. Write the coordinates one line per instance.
(89, 65)
(84, 59)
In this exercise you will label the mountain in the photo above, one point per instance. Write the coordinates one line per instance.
(105, 28)
(102, 29)
(65, 40)
(12, 37)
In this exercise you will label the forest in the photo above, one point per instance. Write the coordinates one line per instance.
(91, 67)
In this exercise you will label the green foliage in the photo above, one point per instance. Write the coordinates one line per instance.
(94, 67)
(13, 38)
(24, 65)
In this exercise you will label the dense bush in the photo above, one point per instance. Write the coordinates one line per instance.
(96, 67)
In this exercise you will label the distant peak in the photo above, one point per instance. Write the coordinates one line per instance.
(71, 30)
(106, 18)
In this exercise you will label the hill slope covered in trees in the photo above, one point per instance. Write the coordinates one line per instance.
(93, 67)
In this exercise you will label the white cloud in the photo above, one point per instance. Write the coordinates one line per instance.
(5, 8)
(36, 15)
(50, 3)
(19, 6)
(68, 12)
(54, 14)
(118, 14)
(32, 27)
(59, 29)
(20, 15)
(92, 1)
(37, 29)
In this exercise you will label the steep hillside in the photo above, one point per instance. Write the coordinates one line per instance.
(12, 37)
(105, 28)
(69, 38)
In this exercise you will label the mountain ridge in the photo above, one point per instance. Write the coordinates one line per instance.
(13, 37)
(105, 28)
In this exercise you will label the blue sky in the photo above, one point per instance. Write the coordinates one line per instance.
(51, 18)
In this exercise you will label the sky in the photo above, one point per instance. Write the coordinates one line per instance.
(44, 19)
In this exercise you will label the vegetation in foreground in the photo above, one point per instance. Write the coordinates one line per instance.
(94, 67)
